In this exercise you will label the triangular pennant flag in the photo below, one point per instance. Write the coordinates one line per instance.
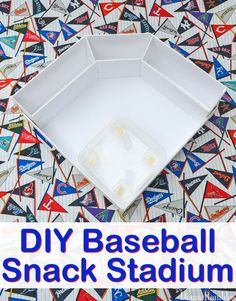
(26, 190)
(15, 127)
(128, 213)
(44, 21)
(50, 35)
(217, 212)
(185, 25)
(220, 70)
(29, 292)
(5, 82)
(49, 204)
(179, 49)
(27, 165)
(224, 50)
(12, 208)
(15, 89)
(145, 25)
(67, 31)
(102, 215)
(27, 137)
(231, 158)
(81, 218)
(232, 134)
(58, 156)
(224, 177)
(234, 171)
(62, 48)
(62, 188)
(158, 219)
(214, 192)
(32, 59)
(3, 104)
(129, 29)
(46, 174)
(110, 28)
(176, 167)
(81, 20)
(5, 7)
(2, 28)
(127, 15)
(19, 27)
(189, 6)
(166, 2)
(148, 294)
(154, 197)
(230, 84)
(28, 77)
(4, 174)
(59, 7)
(31, 151)
(73, 5)
(194, 40)
(210, 147)
(204, 65)
(203, 17)
(138, 3)
(21, 11)
(119, 294)
(193, 160)
(38, 7)
(5, 142)
(191, 184)
(107, 203)
(175, 292)
(227, 98)
(30, 218)
(226, 13)
(210, 4)
(225, 107)
(220, 122)
(168, 28)
(83, 295)
(9, 68)
(158, 11)
(60, 294)
(108, 7)
(30, 36)
(3, 55)
(209, 295)
(87, 200)
(101, 292)
(9, 41)
(221, 29)
(80, 181)
(174, 207)
(58, 219)
(193, 218)
(160, 182)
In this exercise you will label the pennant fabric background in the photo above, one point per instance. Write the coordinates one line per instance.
(37, 184)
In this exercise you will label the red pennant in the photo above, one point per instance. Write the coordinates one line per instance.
(49, 204)
(232, 134)
(5, 82)
(30, 36)
(3, 193)
(158, 11)
(27, 137)
(214, 192)
(84, 296)
(108, 7)
(219, 30)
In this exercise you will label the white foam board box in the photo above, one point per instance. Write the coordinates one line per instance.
(120, 107)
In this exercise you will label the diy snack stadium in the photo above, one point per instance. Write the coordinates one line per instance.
(105, 102)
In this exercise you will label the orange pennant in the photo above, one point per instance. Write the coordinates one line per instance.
(221, 29)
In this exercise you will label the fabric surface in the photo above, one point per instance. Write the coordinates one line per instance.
(199, 182)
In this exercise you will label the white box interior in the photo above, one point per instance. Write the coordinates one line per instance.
(134, 77)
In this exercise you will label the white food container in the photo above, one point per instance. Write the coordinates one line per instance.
(120, 107)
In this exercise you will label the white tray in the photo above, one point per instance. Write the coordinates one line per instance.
(136, 79)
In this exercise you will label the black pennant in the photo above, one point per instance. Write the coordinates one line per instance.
(81, 218)
(110, 28)
(81, 20)
(175, 292)
(224, 50)
(12, 208)
(87, 200)
(210, 4)
(73, 5)
(139, 3)
(225, 107)
(160, 182)
(26, 190)
(29, 292)
(58, 156)
(190, 185)
(62, 48)
(31, 151)
(231, 158)
(26, 78)
(127, 15)
(225, 178)
(194, 40)
(101, 292)
(189, 6)
(44, 21)
(145, 26)
(185, 25)
(209, 147)
(5, 7)
(3, 104)
(60, 294)
(30, 218)
(204, 65)
(36, 48)
(38, 7)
